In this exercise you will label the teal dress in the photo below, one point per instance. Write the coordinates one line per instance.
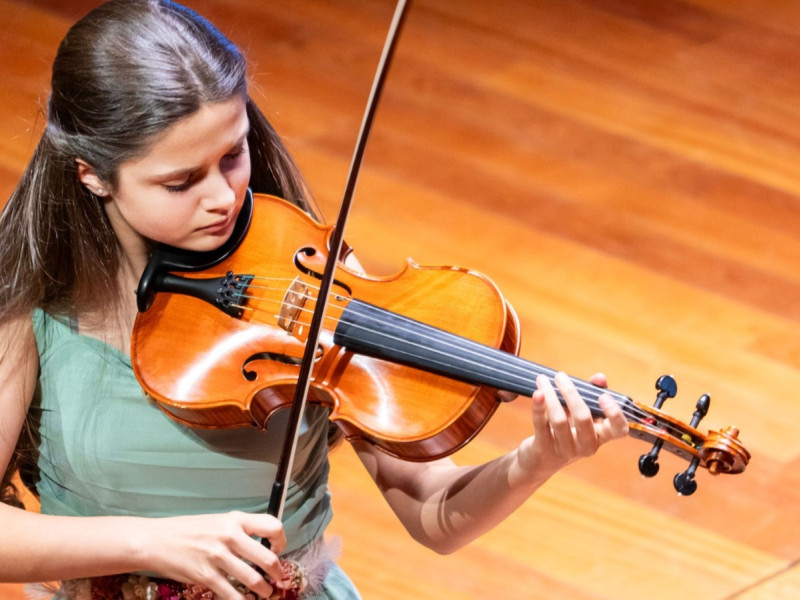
(107, 449)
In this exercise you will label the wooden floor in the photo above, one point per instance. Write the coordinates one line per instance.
(628, 172)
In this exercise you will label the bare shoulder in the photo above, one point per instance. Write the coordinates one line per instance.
(18, 371)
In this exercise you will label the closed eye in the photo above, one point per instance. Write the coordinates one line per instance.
(231, 157)
(181, 187)
(236, 152)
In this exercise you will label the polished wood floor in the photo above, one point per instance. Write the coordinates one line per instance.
(628, 172)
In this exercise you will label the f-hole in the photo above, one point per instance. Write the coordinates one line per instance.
(309, 251)
(284, 359)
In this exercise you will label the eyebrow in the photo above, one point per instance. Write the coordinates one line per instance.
(189, 170)
(174, 174)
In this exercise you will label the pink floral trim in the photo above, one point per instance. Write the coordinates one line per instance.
(140, 587)
(306, 571)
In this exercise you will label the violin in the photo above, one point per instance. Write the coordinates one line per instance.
(414, 363)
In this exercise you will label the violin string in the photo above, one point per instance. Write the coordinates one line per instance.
(589, 391)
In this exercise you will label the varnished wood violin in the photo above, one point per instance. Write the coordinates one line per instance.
(414, 363)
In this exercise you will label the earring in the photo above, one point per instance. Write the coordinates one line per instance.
(100, 192)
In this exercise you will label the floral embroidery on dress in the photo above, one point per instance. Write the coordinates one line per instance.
(305, 576)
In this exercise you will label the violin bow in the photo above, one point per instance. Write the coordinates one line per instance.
(278, 496)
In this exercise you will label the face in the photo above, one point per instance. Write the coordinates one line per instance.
(188, 189)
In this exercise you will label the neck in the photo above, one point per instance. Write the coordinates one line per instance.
(112, 322)
(373, 331)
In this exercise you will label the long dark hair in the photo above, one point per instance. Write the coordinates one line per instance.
(123, 74)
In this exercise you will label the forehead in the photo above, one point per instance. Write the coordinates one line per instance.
(197, 139)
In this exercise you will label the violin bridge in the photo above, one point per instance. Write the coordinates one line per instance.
(292, 305)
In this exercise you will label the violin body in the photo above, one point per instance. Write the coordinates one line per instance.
(208, 368)
(414, 363)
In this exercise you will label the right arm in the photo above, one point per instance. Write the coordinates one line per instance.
(200, 549)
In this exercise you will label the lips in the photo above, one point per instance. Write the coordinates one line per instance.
(220, 226)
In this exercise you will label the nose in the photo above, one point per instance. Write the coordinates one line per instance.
(220, 194)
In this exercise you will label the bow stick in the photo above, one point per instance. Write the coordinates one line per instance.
(278, 496)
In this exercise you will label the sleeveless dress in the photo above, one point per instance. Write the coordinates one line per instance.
(107, 449)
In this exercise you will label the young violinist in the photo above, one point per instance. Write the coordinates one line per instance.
(151, 138)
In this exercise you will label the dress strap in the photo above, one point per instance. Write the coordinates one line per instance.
(73, 324)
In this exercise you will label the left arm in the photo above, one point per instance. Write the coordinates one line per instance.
(444, 506)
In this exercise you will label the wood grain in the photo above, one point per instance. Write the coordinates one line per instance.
(626, 172)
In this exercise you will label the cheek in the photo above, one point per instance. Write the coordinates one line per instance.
(167, 222)
(240, 177)
(176, 218)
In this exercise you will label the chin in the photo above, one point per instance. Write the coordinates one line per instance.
(207, 244)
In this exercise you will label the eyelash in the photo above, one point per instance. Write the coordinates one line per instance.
(174, 189)
(236, 153)
(182, 187)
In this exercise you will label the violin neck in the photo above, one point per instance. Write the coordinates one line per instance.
(373, 331)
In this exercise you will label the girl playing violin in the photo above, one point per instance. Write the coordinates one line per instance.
(151, 137)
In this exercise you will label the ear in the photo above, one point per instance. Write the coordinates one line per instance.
(89, 178)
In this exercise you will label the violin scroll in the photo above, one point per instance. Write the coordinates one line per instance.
(719, 451)
(722, 452)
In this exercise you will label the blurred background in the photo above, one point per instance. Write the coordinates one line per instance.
(626, 171)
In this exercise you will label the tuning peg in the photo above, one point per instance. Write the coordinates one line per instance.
(667, 388)
(648, 463)
(684, 482)
(701, 409)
